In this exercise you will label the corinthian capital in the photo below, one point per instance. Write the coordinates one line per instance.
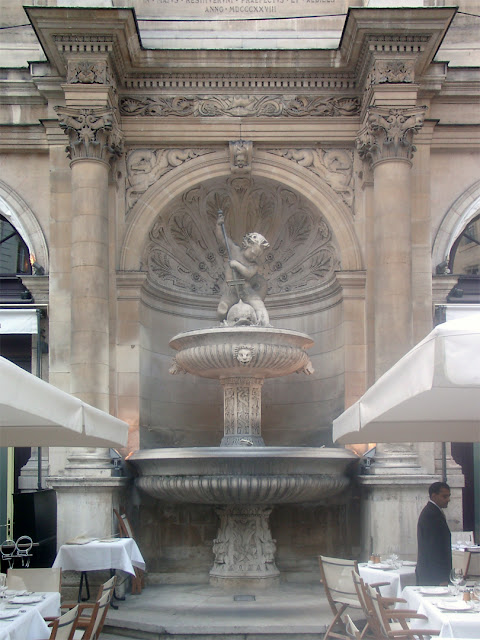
(388, 133)
(92, 133)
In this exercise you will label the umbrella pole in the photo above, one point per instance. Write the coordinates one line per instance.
(39, 375)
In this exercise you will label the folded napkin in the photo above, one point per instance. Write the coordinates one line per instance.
(81, 540)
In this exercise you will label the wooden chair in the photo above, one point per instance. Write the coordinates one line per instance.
(351, 629)
(126, 531)
(89, 627)
(393, 623)
(64, 627)
(48, 579)
(336, 576)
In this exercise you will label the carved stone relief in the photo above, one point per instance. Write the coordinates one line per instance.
(88, 72)
(183, 257)
(392, 71)
(238, 106)
(335, 166)
(244, 545)
(144, 167)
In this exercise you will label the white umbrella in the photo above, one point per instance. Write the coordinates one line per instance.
(431, 395)
(34, 413)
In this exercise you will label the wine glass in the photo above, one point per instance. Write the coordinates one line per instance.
(456, 577)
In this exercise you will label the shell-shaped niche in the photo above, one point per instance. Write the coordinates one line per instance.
(183, 258)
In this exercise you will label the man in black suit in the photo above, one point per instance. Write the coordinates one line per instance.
(434, 558)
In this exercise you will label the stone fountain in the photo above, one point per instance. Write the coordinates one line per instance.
(242, 477)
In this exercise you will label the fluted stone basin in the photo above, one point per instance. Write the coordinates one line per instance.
(242, 475)
(223, 352)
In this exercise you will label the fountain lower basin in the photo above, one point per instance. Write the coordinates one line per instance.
(242, 475)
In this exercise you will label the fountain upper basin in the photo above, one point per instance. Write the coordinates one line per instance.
(222, 352)
(242, 475)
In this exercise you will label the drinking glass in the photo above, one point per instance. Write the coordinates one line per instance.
(456, 577)
(3, 582)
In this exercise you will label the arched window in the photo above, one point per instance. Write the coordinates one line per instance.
(14, 253)
(465, 252)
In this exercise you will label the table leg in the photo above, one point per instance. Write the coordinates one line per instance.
(83, 578)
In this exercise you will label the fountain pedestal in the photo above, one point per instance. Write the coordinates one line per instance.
(244, 549)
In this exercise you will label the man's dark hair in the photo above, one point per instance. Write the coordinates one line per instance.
(436, 487)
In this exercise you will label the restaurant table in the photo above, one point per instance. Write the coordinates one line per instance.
(450, 624)
(96, 555)
(397, 578)
(29, 624)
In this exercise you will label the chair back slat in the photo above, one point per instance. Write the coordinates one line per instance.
(65, 626)
(47, 579)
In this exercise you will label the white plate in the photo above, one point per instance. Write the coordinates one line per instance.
(4, 615)
(26, 600)
(434, 591)
(409, 563)
(459, 605)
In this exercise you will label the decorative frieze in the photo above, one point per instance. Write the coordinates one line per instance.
(242, 403)
(145, 167)
(388, 133)
(92, 133)
(334, 166)
(270, 106)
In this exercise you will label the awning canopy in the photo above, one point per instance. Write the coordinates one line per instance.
(431, 395)
(34, 413)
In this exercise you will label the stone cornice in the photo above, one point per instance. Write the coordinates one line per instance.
(113, 33)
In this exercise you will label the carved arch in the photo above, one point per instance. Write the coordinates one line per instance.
(19, 214)
(215, 165)
(458, 216)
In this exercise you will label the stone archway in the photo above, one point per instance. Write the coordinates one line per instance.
(269, 165)
(19, 214)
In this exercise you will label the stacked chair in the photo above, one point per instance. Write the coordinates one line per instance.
(126, 531)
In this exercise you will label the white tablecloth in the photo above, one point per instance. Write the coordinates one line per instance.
(29, 624)
(122, 553)
(451, 625)
(397, 579)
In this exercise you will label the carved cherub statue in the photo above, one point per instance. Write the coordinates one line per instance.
(243, 264)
